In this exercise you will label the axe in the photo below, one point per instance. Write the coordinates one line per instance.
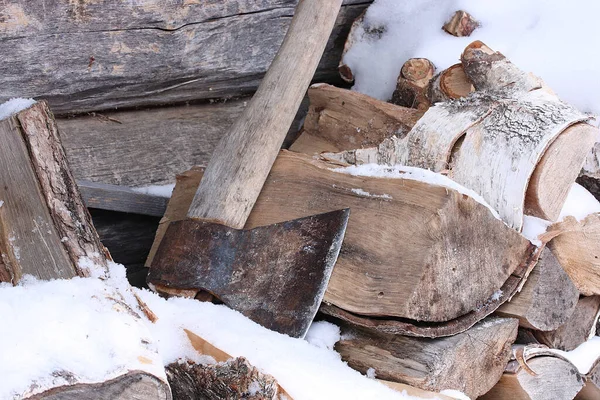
(276, 275)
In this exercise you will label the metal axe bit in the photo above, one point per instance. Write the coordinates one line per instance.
(277, 274)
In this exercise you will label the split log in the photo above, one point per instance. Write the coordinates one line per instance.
(548, 298)
(580, 327)
(438, 258)
(41, 203)
(138, 54)
(340, 119)
(475, 139)
(412, 84)
(544, 376)
(452, 83)
(46, 231)
(576, 248)
(233, 379)
(461, 24)
(471, 362)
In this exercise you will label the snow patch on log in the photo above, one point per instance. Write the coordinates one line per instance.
(156, 190)
(585, 356)
(533, 227)
(14, 106)
(414, 174)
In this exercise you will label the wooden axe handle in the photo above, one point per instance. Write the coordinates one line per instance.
(243, 158)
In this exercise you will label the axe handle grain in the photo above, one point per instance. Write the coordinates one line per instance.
(243, 158)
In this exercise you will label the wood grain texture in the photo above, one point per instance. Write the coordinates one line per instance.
(69, 214)
(580, 327)
(576, 248)
(340, 119)
(145, 147)
(548, 298)
(121, 198)
(555, 379)
(243, 158)
(367, 278)
(471, 362)
(557, 170)
(122, 54)
(29, 241)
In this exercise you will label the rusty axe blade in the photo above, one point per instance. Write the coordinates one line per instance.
(275, 275)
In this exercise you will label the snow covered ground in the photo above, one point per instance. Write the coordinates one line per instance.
(551, 38)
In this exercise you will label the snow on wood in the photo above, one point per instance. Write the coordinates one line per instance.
(13, 106)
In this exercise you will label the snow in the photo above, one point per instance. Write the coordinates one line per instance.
(580, 203)
(546, 37)
(371, 374)
(584, 357)
(533, 227)
(323, 334)
(82, 326)
(415, 174)
(156, 190)
(363, 193)
(304, 370)
(456, 394)
(67, 325)
(13, 106)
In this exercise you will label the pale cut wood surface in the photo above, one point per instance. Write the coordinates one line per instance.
(69, 214)
(471, 362)
(241, 161)
(580, 327)
(576, 248)
(548, 298)
(340, 119)
(452, 83)
(413, 391)
(412, 84)
(131, 54)
(557, 170)
(555, 379)
(367, 277)
(29, 241)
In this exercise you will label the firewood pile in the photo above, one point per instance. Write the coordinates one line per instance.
(470, 259)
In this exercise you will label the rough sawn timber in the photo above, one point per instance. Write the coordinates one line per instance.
(580, 327)
(471, 362)
(340, 119)
(434, 281)
(123, 54)
(548, 298)
(45, 227)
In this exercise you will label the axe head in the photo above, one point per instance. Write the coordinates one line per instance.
(275, 275)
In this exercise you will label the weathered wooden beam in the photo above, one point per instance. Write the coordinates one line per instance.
(121, 198)
(131, 54)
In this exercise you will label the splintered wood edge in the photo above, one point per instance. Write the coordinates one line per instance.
(398, 326)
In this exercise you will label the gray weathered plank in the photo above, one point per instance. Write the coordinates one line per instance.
(29, 241)
(121, 198)
(91, 55)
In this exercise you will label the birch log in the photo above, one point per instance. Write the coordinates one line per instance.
(589, 177)
(438, 258)
(548, 298)
(492, 141)
(340, 119)
(449, 84)
(45, 228)
(471, 362)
